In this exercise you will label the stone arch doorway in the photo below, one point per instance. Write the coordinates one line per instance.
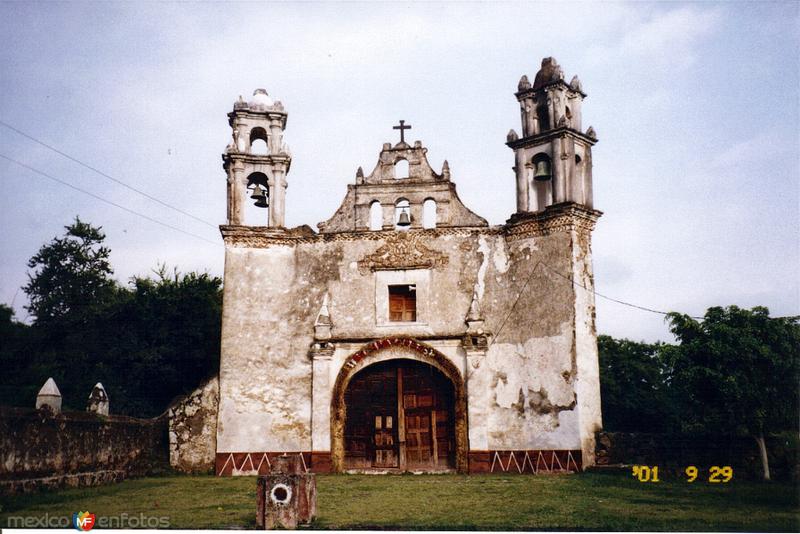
(399, 404)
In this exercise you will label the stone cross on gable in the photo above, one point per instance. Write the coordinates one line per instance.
(402, 129)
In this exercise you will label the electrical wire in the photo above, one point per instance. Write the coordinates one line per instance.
(167, 225)
(643, 308)
(569, 279)
(103, 174)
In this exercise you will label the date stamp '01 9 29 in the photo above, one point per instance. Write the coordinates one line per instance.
(716, 474)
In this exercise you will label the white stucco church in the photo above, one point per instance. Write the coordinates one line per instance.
(406, 333)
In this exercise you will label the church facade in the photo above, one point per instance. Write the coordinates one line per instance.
(406, 333)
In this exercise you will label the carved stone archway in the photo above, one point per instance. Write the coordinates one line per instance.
(391, 349)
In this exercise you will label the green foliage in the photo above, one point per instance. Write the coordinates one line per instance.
(737, 370)
(633, 393)
(19, 376)
(168, 338)
(71, 275)
(147, 343)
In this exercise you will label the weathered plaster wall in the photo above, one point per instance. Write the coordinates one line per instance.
(522, 393)
(265, 373)
(529, 368)
(588, 377)
(193, 429)
(76, 449)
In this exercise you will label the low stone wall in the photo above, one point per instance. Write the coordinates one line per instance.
(193, 429)
(673, 453)
(41, 451)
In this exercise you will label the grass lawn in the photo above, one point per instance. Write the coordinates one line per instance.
(593, 501)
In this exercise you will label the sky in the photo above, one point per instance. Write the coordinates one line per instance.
(696, 107)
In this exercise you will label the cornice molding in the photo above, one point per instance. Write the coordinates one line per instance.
(532, 140)
(564, 217)
(263, 236)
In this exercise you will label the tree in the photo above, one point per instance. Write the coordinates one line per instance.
(147, 343)
(632, 385)
(168, 339)
(738, 369)
(18, 378)
(71, 276)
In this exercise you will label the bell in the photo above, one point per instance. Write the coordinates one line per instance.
(542, 173)
(257, 192)
(261, 202)
(404, 220)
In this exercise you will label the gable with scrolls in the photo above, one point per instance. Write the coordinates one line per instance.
(402, 251)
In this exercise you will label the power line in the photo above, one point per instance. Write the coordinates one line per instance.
(643, 308)
(103, 174)
(569, 279)
(42, 173)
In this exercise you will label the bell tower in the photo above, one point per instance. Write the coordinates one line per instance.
(257, 161)
(553, 157)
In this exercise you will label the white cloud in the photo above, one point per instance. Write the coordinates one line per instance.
(659, 39)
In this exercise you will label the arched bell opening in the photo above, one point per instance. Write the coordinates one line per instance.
(401, 169)
(402, 214)
(429, 213)
(543, 116)
(257, 200)
(375, 215)
(400, 406)
(258, 142)
(542, 180)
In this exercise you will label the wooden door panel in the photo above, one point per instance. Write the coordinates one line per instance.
(399, 414)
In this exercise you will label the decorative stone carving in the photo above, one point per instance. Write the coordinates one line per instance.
(512, 136)
(575, 84)
(556, 218)
(562, 121)
(402, 251)
(322, 350)
(523, 83)
(591, 133)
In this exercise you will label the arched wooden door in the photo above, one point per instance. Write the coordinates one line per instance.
(400, 415)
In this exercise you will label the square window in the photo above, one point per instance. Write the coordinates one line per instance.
(403, 303)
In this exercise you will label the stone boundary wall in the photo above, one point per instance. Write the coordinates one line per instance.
(41, 451)
(673, 453)
(193, 429)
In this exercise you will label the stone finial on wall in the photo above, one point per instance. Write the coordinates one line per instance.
(474, 317)
(591, 133)
(575, 84)
(98, 400)
(512, 136)
(446, 170)
(523, 83)
(49, 397)
(322, 326)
